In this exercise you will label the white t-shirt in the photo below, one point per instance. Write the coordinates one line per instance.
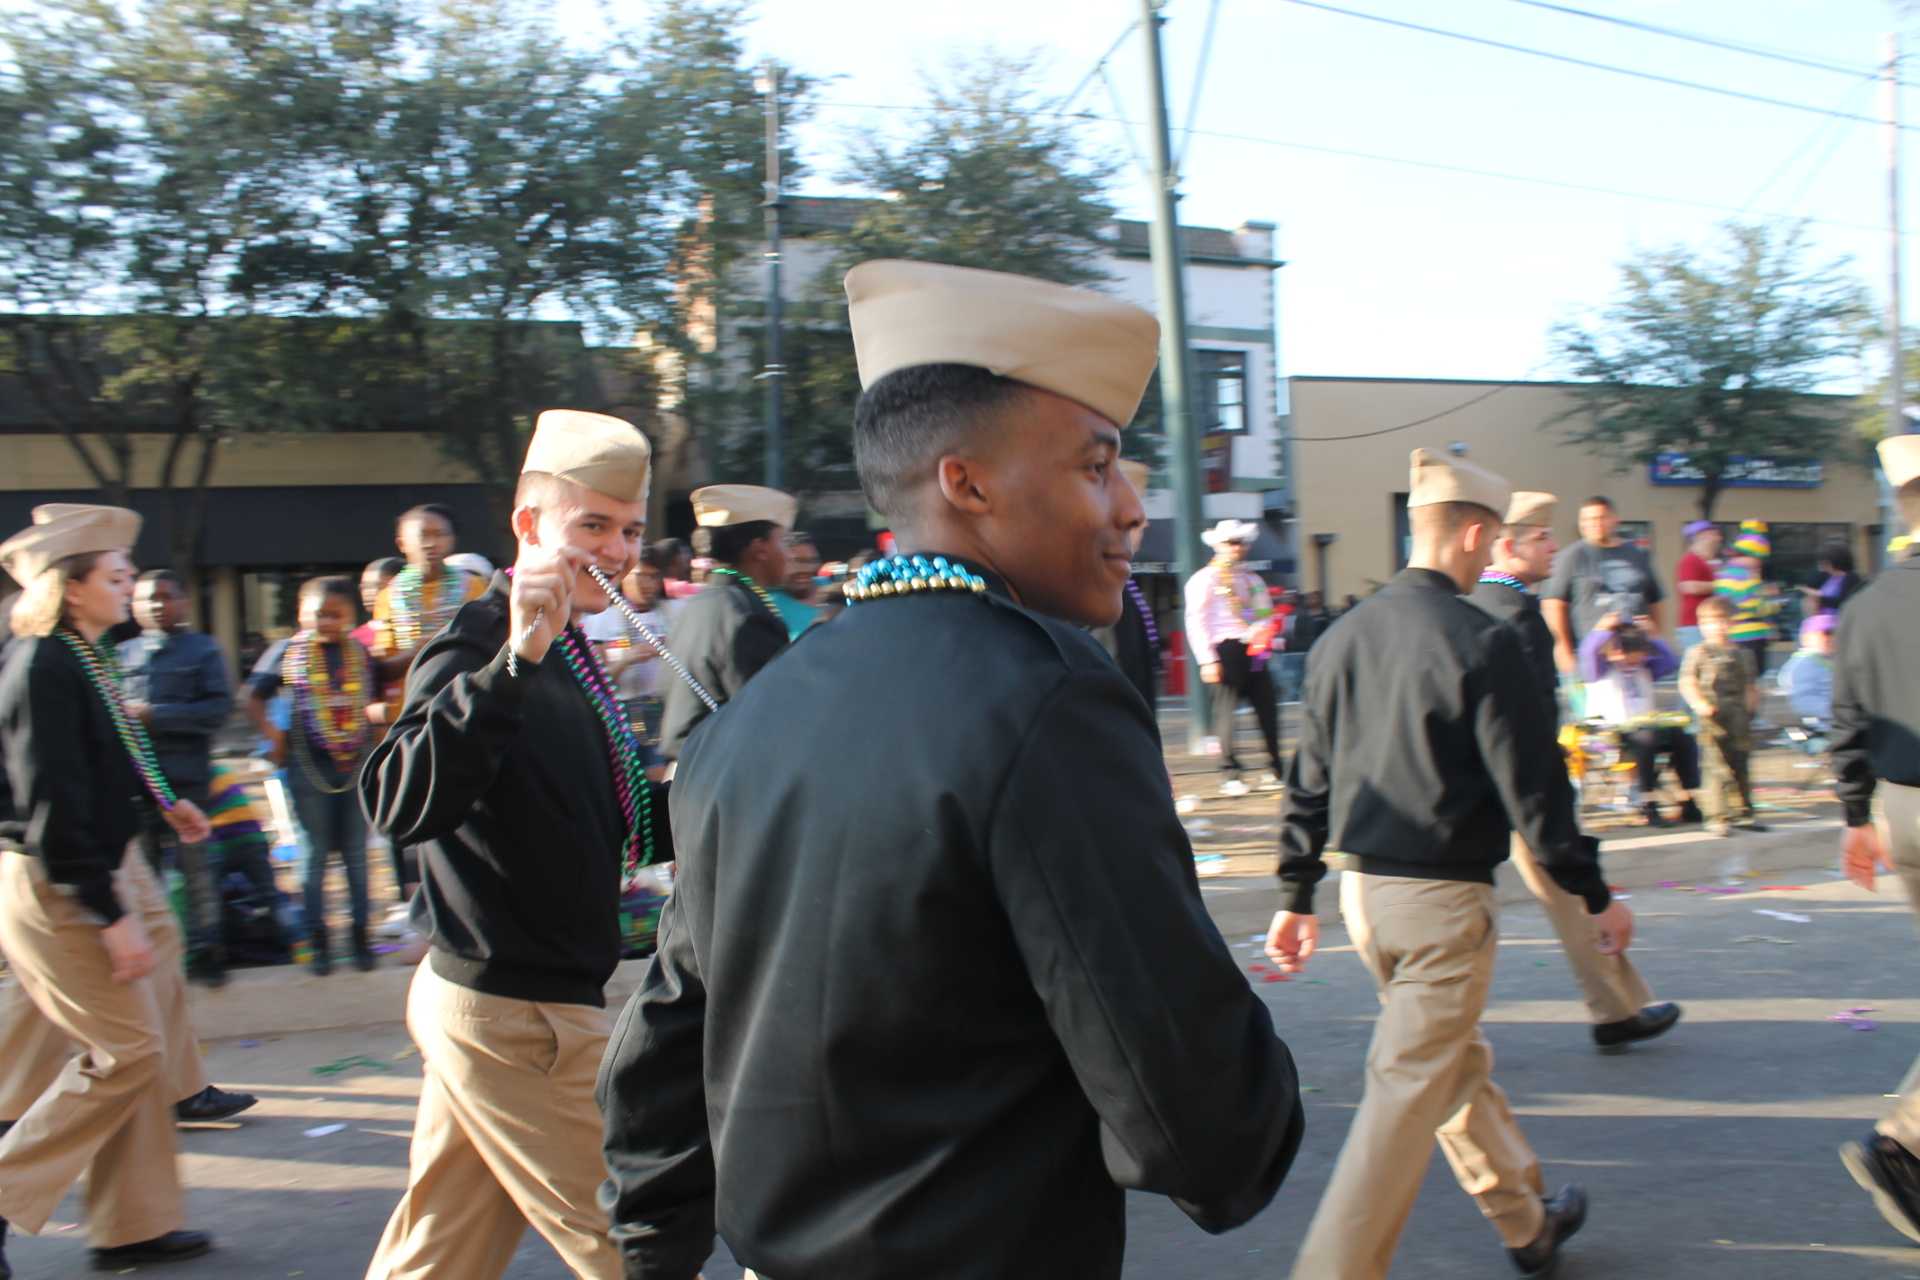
(642, 679)
(1622, 697)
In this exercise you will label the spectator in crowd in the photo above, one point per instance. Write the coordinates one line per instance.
(176, 685)
(634, 664)
(1227, 609)
(1600, 574)
(1619, 662)
(1807, 678)
(332, 680)
(373, 579)
(798, 596)
(1837, 580)
(1720, 685)
(1753, 600)
(676, 568)
(420, 598)
(1693, 579)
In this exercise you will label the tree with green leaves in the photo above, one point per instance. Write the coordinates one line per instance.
(1713, 356)
(984, 176)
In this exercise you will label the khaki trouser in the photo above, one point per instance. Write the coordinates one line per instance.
(1899, 822)
(1613, 988)
(107, 1112)
(1429, 945)
(33, 1050)
(507, 1133)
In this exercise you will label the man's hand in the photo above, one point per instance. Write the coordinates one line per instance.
(543, 580)
(138, 710)
(1209, 673)
(1861, 852)
(1609, 621)
(189, 823)
(1613, 928)
(1291, 940)
(376, 713)
(128, 949)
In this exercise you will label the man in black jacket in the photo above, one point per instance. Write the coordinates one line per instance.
(732, 628)
(1618, 998)
(513, 771)
(1419, 751)
(1133, 641)
(936, 980)
(1876, 757)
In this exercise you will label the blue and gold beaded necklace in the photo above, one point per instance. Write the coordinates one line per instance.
(900, 575)
(1500, 579)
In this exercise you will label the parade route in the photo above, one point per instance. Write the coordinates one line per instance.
(1708, 1154)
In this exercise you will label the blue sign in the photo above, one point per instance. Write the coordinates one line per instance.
(1741, 473)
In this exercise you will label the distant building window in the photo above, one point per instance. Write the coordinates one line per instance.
(1223, 390)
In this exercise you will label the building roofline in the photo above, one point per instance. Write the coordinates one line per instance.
(1498, 382)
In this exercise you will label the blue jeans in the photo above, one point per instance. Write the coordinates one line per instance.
(329, 824)
(1291, 676)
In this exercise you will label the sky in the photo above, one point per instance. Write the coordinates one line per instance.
(1408, 270)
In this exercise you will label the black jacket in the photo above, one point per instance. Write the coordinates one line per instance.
(1876, 689)
(725, 634)
(504, 785)
(76, 798)
(1420, 752)
(1132, 650)
(936, 980)
(1521, 611)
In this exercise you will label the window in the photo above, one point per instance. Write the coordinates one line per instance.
(1223, 390)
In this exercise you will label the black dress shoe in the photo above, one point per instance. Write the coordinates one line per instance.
(1890, 1174)
(6, 1272)
(212, 1103)
(1566, 1214)
(1654, 1020)
(1651, 812)
(208, 967)
(175, 1246)
(1690, 813)
(365, 961)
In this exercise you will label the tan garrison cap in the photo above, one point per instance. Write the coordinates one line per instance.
(607, 455)
(1531, 507)
(1087, 346)
(62, 529)
(1137, 474)
(1434, 478)
(724, 504)
(1900, 459)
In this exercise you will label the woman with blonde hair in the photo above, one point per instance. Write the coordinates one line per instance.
(82, 921)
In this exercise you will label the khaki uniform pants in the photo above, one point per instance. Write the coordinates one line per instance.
(1429, 945)
(108, 1112)
(507, 1133)
(1613, 988)
(1899, 822)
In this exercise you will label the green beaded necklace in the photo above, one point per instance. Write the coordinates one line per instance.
(103, 673)
(751, 585)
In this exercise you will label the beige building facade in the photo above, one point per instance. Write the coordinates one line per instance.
(1350, 437)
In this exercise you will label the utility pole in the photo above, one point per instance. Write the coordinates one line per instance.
(1896, 371)
(1176, 405)
(775, 372)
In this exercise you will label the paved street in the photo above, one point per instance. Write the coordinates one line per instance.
(1708, 1155)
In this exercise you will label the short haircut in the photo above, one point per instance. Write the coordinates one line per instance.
(667, 550)
(1630, 639)
(1597, 500)
(316, 590)
(157, 576)
(1839, 555)
(422, 511)
(731, 541)
(535, 489)
(904, 423)
(1443, 519)
(385, 567)
(795, 538)
(650, 557)
(1716, 606)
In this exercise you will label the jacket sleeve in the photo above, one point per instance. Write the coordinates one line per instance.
(757, 641)
(463, 713)
(57, 792)
(659, 1194)
(1303, 821)
(1197, 1098)
(1852, 764)
(207, 711)
(1517, 744)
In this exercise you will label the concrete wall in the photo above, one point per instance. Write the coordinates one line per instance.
(249, 461)
(1347, 487)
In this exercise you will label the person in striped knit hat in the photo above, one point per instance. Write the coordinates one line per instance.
(1753, 600)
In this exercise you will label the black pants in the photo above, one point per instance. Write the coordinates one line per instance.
(1239, 679)
(1758, 648)
(1647, 745)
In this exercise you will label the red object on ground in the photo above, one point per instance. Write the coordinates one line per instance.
(1176, 670)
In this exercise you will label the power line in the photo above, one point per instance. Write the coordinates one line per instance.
(1653, 76)
(1417, 422)
(1384, 158)
(1694, 37)
(1820, 131)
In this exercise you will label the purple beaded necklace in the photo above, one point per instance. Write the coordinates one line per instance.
(1146, 618)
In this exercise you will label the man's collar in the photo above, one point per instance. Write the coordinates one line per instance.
(1426, 580)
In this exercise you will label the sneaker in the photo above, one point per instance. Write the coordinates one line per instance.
(1233, 789)
(1889, 1173)
(1273, 782)
(1187, 805)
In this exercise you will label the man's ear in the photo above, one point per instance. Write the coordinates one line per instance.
(1474, 535)
(526, 522)
(966, 484)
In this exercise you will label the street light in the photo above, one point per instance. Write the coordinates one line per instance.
(767, 84)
